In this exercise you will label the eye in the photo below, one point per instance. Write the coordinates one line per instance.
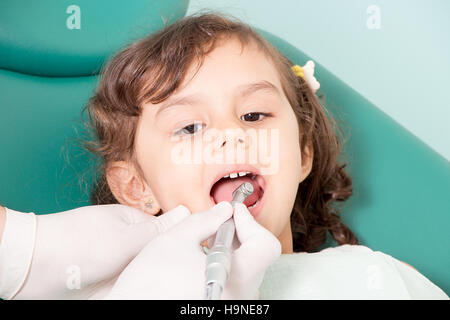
(255, 116)
(190, 129)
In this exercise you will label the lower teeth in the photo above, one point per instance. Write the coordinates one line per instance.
(253, 205)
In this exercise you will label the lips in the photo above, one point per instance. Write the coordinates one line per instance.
(229, 180)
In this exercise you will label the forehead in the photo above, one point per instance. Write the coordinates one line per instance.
(230, 65)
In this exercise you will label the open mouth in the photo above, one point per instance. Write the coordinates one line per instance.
(223, 188)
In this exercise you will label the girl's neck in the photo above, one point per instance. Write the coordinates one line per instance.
(286, 240)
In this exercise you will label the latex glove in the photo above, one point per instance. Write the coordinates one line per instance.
(77, 252)
(172, 266)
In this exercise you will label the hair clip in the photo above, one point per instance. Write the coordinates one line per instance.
(307, 72)
(298, 71)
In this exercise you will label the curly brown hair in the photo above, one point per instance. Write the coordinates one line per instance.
(151, 69)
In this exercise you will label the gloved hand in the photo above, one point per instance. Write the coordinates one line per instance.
(79, 253)
(172, 266)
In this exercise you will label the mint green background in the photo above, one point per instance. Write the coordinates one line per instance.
(403, 68)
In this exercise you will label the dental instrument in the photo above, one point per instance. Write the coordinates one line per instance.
(218, 260)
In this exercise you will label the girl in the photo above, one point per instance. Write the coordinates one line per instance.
(153, 113)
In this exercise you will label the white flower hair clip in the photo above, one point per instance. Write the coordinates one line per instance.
(307, 72)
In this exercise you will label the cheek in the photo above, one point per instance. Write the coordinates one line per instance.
(290, 153)
(169, 181)
(284, 184)
(159, 171)
(173, 183)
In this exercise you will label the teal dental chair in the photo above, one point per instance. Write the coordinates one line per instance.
(50, 56)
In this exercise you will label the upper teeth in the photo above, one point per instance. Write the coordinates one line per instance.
(236, 174)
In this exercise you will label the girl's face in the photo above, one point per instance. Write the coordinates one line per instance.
(234, 117)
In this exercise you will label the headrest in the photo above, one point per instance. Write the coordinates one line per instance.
(67, 38)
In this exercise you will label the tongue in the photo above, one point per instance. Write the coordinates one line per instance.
(223, 189)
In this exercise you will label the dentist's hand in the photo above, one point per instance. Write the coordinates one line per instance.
(78, 254)
(172, 266)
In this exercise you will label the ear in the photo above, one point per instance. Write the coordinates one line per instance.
(129, 189)
(307, 161)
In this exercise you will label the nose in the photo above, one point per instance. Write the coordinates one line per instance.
(235, 136)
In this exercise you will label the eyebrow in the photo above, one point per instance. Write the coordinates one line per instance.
(242, 91)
